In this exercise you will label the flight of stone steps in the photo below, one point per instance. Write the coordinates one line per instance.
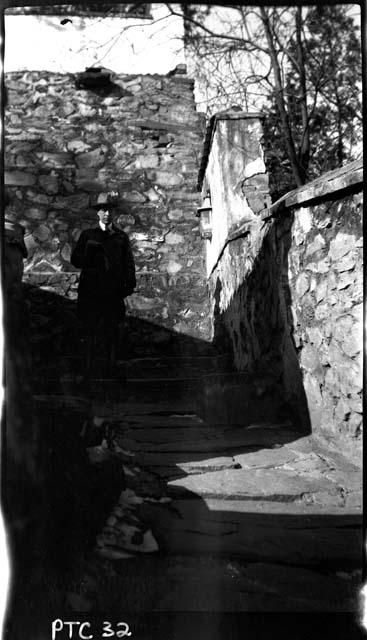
(232, 517)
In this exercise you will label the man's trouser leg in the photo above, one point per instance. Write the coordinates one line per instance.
(113, 340)
(90, 343)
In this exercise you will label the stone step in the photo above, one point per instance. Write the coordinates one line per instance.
(228, 585)
(302, 457)
(139, 383)
(294, 534)
(215, 587)
(196, 466)
(138, 369)
(158, 436)
(276, 485)
(174, 367)
(146, 410)
(110, 389)
(177, 465)
(86, 403)
(216, 440)
(181, 359)
(153, 363)
(152, 422)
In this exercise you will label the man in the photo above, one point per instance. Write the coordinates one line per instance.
(16, 321)
(108, 276)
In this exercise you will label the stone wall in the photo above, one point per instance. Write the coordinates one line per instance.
(250, 320)
(233, 172)
(248, 307)
(286, 299)
(142, 138)
(326, 284)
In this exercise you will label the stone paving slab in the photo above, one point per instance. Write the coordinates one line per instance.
(332, 448)
(199, 432)
(167, 372)
(172, 459)
(313, 460)
(195, 467)
(304, 463)
(179, 359)
(313, 514)
(266, 458)
(118, 410)
(213, 584)
(169, 382)
(309, 465)
(148, 421)
(256, 484)
(197, 585)
(210, 464)
(335, 460)
(304, 587)
(208, 584)
(271, 532)
(111, 391)
(228, 441)
(158, 436)
(175, 367)
(169, 472)
(352, 479)
(304, 444)
(154, 393)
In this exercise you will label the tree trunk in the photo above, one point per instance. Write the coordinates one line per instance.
(279, 97)
(304, 151)
(339, 120)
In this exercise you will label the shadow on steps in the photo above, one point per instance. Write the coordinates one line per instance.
(68, 501)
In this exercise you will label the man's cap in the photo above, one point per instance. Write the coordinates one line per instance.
(106, 200)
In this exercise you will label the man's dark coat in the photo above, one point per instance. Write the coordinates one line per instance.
(107, 277)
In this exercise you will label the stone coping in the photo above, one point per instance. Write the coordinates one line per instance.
(176, 74)
(210, 131)
(350, 175)
(338, 180)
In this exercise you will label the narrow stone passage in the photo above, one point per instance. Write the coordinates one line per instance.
(188, 481)
(252, 517)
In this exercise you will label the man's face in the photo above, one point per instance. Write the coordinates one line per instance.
(104, 215)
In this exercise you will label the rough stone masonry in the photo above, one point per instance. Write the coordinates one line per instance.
(287, 296)
(326, 284)
(143, 139)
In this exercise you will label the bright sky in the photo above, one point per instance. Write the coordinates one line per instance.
(123, 45)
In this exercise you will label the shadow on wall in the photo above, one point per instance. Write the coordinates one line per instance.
(256, 327)
(56, 335)
(223, 396)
